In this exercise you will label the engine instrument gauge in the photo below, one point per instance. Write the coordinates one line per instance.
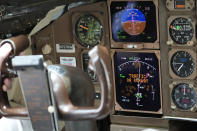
(183, 96)
(182, 63)
(137, 81)
(181, 30)
(88, 30)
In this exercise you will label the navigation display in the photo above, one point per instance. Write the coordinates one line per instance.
(137, 81)
(133, 21)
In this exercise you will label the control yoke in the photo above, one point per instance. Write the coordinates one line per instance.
(56, 90)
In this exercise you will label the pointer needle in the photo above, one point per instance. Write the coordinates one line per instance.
(83, 27)
(180, 67)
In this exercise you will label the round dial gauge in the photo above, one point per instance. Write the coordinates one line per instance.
(182, 63)
(88, 30)
(181, 30)
(183, 96)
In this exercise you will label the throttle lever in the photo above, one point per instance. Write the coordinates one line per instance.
(19, 44)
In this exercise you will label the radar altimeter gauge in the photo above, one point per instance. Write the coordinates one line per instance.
(183, 96)
(137, 81)
(88, 30)
(181, 30)
(182, 63)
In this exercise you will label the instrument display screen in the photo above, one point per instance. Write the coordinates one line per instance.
(133, 21)
(137, 81)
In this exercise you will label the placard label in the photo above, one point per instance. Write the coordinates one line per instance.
(65, 48)
(70, 61)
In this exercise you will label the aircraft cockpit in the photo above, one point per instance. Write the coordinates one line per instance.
(101, 65)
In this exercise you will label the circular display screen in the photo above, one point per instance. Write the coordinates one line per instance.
(181, 30)
(183, 96)
(88, 30)
(182, 63)
(133, 21)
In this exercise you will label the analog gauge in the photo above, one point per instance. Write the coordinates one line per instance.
(181, 30)
(88, 30)
(182, 63)
(137, 81)
(183, 96)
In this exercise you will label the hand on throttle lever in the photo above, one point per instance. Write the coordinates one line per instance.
(5, 50)
(10, 47)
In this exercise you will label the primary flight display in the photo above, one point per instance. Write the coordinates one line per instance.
(133, 21)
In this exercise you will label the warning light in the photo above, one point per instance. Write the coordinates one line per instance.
(178, 27)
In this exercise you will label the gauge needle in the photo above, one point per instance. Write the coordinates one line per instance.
(180, 67)
(184, 91)
(83, 27)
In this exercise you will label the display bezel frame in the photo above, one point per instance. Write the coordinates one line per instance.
(117, 107)
(135, 45)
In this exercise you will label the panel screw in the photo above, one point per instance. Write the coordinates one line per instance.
(51, 109)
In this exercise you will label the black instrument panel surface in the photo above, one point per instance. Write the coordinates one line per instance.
(133, 21)
(137, 81)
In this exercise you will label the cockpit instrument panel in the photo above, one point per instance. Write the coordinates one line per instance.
(133, 22)
(137, 80)
(181, 31)
(180, 5)
(182, 64)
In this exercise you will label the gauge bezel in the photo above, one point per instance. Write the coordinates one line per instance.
(135, 45)
(76, 18)
(173, 105)
(171, 72)
(189, 5)
(170, 42)
(117, 106)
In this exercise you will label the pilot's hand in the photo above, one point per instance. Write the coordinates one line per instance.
(5, 50)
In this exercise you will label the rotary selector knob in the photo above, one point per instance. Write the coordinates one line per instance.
(46, 49)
